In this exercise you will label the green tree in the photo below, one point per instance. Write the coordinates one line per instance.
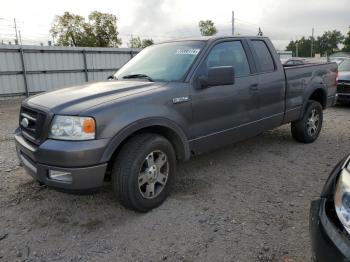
(301, 47)
(347, 42)
(103, 30)
(72, 30)
(69, 30)
(324, 45)
(137, 42)
(304, 47)
(147, 42)
(207, 28)
(328, 42)
(260, 32)
(292, 47)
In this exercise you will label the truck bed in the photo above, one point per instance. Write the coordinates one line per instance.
(302, 79)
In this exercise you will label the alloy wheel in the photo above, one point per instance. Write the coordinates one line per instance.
(153, 174)
(313, 122)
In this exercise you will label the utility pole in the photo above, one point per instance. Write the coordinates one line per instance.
(312, 42)
(20, 37)
(2, 41)
(233, 23)
(296, 49)
(14, 20)
(131, 41)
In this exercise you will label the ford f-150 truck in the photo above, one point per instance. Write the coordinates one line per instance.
(171, 101)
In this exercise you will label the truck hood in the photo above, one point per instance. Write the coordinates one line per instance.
(344, 76)
(73, 100)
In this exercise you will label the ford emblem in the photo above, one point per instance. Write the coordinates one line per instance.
(25, 122)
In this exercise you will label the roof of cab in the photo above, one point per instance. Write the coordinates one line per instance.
(211, 38)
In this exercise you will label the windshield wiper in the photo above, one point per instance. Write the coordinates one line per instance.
(138, 76)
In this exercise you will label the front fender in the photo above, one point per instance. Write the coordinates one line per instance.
(141, 124)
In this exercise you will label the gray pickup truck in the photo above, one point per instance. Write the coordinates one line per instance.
(171, 101)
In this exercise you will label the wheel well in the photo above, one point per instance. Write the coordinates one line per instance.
(169, 134)
(320, 96)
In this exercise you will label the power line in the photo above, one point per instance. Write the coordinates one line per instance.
(246, 22)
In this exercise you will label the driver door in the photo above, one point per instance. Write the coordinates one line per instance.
(221, 114)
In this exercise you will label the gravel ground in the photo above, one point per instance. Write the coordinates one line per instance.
(246, 202)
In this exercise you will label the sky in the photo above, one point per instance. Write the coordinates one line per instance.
(281, 20)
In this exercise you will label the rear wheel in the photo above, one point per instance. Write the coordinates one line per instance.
(308, 128)
(143, 172)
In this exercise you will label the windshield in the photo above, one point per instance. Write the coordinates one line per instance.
(162, 62)
(344, 66)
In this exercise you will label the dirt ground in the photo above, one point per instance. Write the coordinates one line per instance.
(246, 202)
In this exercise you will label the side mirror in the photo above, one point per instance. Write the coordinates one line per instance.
(218, 76)
(110, 78)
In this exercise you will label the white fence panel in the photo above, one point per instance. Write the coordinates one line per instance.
(33, 69)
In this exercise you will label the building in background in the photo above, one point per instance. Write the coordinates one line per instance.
(284, 55)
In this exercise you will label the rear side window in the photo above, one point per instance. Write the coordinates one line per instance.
(229, 54)
(264, 56)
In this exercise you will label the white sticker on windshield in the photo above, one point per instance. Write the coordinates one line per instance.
(193, 51)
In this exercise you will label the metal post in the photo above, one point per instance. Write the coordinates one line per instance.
(14, 20)
(297, 51)
(131, 53)
(24, 72)
(312, 42)
(233, 23)
(85, 66)
(20, 37)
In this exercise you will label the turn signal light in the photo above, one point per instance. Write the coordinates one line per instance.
(89, 125)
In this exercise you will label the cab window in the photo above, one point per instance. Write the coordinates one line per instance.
(264, 56)
(229, 54)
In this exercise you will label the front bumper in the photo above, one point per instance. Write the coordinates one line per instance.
(343, 97)
(329, 244)
(70, 165)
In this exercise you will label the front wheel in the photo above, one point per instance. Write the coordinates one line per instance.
(308, 128)
(143, 172)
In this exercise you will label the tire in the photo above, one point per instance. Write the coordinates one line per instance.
(133, 172)
(307, 129)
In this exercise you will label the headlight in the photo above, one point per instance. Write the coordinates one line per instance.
(72, 128)
(342, 199)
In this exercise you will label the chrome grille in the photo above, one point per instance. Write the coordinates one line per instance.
(31, 122)
(343, 86)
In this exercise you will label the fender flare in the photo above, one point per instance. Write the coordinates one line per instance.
(309, 94)
(141, 124)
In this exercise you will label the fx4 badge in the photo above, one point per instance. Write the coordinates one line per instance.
(182, 99)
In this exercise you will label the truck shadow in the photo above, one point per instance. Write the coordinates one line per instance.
(345, 106)
(273, 142)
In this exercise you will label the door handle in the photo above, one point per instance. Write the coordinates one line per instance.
(254, 87)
